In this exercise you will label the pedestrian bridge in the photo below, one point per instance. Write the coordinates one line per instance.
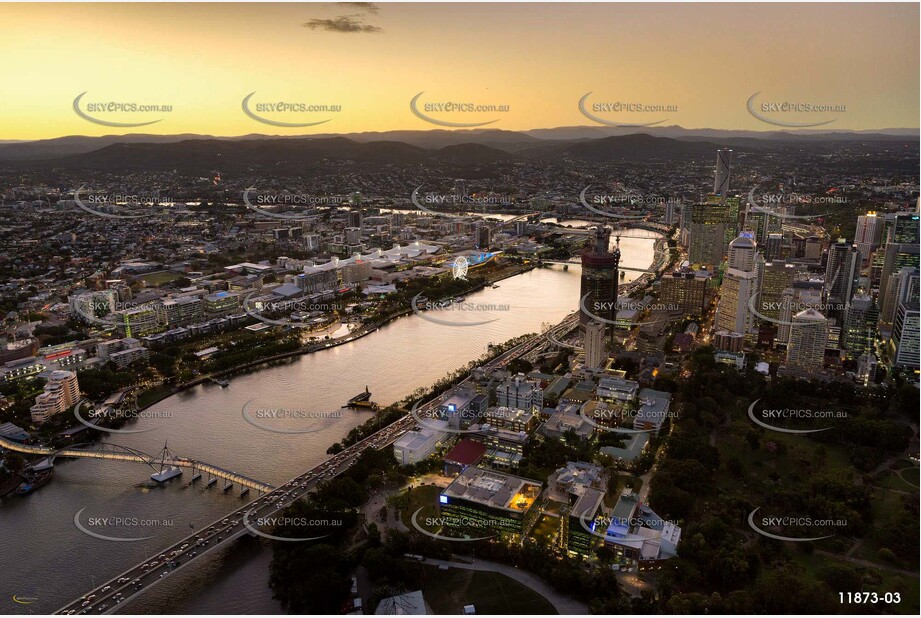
(116, 452)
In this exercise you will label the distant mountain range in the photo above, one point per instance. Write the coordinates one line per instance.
(537, 142)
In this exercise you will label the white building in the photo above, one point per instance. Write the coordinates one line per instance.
(808, 338)
(739, 285)
(414, 446)
(61, 392)
(595, 354)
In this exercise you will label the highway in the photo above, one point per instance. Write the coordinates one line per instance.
(106, 598)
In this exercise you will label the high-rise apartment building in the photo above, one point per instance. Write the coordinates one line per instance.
(808, 337)
(593, 344)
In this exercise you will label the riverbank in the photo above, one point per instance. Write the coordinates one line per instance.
(160, 393)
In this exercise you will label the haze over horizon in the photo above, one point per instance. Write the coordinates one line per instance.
(372, 59)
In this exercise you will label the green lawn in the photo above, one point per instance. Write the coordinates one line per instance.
(426, 498)
(159, 278)
(492, 593)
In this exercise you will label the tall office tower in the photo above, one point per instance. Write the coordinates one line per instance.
(776, 277)
(869, 234)
(901, 227)
(355, 218)
(600, 269)
(773, 247)
(735, 218)
(904, 342)
(808, 336)
(723, 166)
(707, 233)
(672, 212)
(739, 285)
(593, 342)
(897, 256)
(483, 237)
(841, 275)
(859, 330)
(460, 190)
(787, 304)
(804, 294)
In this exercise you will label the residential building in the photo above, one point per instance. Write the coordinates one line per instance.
(62, 391)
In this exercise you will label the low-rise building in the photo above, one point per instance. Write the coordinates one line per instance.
(414, 446)
(486, 500)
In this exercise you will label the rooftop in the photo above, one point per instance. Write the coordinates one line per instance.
(494, 489)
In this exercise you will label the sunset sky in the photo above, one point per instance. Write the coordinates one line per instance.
(539, 59)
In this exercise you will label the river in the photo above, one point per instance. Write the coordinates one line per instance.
(48, 559)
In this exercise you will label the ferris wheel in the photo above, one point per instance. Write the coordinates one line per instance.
(460, 267)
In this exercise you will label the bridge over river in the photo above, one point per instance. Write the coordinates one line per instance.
(114, 452)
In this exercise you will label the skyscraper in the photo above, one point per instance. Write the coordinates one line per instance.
(484, 237)
(773, 246)
(593, 343)
(600, 269)
(904, 343)
(841, 274)
(859, 326)
(707, 227)
(898, 256)
(776, 277)
(739, 285)
(808, 336)
(723, 167)
(869, 234)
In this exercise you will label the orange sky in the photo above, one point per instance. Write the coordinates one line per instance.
(538, 59)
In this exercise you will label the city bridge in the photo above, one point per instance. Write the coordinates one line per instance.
(107, 596)
(633, 229)
(114, 452)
